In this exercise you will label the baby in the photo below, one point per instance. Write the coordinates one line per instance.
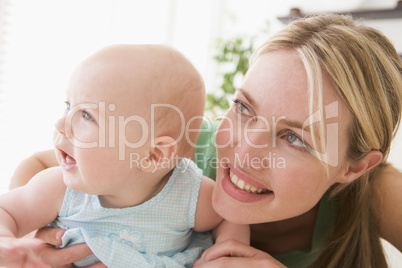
(124, 185)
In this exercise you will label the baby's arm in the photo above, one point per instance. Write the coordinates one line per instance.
(26, 209)
(31, 166)
(207, 219)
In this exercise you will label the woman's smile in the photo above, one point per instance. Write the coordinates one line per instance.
(241, 188)
(239, 183)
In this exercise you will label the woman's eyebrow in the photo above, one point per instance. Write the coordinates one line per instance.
(294, 124)
(248, 97)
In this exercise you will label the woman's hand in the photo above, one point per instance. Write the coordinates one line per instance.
(232, 253)
(60, 257)
(20, 252)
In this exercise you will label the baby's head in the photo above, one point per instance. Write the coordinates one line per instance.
(152, 91)
(178, 97)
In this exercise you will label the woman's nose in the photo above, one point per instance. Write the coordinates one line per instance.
(254, 146)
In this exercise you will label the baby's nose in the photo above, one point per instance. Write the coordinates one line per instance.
(63, 127)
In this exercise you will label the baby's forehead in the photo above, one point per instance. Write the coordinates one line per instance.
(138, 75)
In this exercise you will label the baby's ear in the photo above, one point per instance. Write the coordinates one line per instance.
(162, 152)
(357, 168)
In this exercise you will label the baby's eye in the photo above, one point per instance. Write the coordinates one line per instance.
(241, 107)
(87, 116)
(67, 106)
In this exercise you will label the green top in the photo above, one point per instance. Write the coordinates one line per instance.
(205, 149)
(205, 158)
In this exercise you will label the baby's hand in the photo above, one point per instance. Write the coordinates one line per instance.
(20, 252)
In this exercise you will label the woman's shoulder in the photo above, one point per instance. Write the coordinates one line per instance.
(205, 149)
(387, 200)
(208, 132)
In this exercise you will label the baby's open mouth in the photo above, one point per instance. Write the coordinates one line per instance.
(68, 161)
(242, 185)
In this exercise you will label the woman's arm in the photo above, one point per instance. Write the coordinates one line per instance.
(387, 202)
(32, 165)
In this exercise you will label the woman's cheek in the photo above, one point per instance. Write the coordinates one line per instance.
(222, 137)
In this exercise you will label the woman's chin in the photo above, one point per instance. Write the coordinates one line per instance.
(229, 210)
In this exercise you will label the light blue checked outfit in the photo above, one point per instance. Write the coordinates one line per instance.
(157, 233)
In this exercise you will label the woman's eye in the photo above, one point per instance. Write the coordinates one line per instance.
(67, 106)
(293, 139)
(241, 108)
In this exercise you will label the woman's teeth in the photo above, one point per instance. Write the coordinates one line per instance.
(244, 186)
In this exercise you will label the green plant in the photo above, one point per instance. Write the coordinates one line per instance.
(233, 56)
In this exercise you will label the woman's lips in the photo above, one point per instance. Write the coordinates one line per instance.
(241, 190)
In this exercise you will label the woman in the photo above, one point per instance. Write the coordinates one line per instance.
(302, 150)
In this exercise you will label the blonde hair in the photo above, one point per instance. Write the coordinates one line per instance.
(366, 70)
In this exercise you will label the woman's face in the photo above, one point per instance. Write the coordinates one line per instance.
(269, 167)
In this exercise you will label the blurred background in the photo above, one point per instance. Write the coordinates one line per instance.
(42, 41)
